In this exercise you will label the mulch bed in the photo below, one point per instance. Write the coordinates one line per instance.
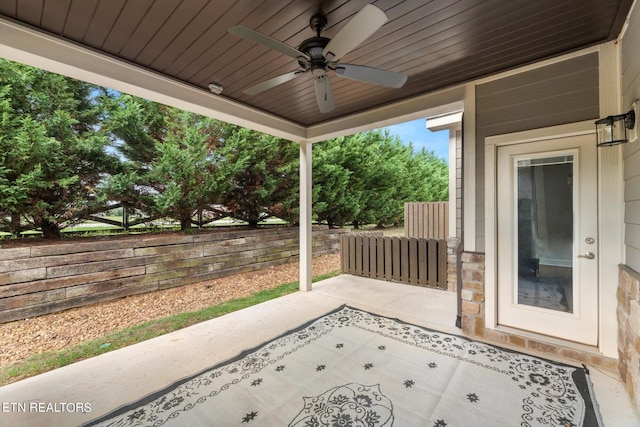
(56, 331)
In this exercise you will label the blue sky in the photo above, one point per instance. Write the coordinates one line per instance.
(416, 132)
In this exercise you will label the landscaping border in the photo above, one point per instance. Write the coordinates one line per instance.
(43, 279)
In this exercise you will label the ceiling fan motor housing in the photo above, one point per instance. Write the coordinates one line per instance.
(313, 47)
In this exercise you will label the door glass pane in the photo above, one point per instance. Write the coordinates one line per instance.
(545, 232)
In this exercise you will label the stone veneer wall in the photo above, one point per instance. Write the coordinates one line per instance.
(473, 316)
(454, 247)
(472, 294)
(629, 331)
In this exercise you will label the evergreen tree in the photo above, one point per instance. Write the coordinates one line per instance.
(52, 151)
(382, 174)
(337, 189)
(399, 175)
(267, 183)
(175, 164)
(137, 126)
(192, 171)
(432, 172)
(366, 178)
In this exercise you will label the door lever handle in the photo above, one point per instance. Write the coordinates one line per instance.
(588, 255)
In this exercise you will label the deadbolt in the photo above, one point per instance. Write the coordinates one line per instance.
(589, 240)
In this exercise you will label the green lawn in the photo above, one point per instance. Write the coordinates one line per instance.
(44, 362)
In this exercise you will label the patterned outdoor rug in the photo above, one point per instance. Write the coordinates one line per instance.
(354, 368)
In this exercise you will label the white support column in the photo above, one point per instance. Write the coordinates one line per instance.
(610, 202)
(469, 169)
(305, 216)
(453, 180)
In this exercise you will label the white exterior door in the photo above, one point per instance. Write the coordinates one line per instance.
(547, 261)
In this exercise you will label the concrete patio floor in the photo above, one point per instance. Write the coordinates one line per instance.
(106, 382)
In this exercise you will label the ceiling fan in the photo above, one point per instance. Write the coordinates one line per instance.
(322, 54)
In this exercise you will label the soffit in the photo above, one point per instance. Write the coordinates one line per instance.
(438, 43)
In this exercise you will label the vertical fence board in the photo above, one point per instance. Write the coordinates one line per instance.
(373, 265)
(388, 253)
(418, 227)
(352, 254)
(343, 252)
(345, 257)
(413, 261)
(404, 260)
(365, 256)
(371, 251)
(422, 262)
(412, 219)
(442, 266)
(432, 253)
(358, 266)
(380, 241)
(407, 220)
(430, 220)
(395, 262)
(445, 231)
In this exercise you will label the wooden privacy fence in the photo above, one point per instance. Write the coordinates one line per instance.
(414, 261)
(426, 220)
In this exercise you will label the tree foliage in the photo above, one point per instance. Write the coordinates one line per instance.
(175, 162)
(136, 126)
(192, 169)
(178, 163)
(69, 149)
(336, 186)
(366, 178)
(52, 151)
(267, 183)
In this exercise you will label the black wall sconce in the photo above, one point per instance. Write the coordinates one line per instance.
(614, 130)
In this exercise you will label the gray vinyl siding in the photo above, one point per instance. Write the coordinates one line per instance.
(560, 93)
(630, 64)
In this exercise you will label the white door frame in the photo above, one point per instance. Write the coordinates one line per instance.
(607, 327)
(581, 323)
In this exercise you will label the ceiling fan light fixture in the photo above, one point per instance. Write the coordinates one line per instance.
(215, 88)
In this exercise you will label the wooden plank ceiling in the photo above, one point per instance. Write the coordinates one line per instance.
(437, 43)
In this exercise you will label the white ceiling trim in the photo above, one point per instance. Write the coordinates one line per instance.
(448, 121)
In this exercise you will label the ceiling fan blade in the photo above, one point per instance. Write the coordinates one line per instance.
(267, 41)
(324, 94)
(363, 24)
(371, 75)
(268, 84)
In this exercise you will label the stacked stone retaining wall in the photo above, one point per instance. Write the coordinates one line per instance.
(42, 279)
